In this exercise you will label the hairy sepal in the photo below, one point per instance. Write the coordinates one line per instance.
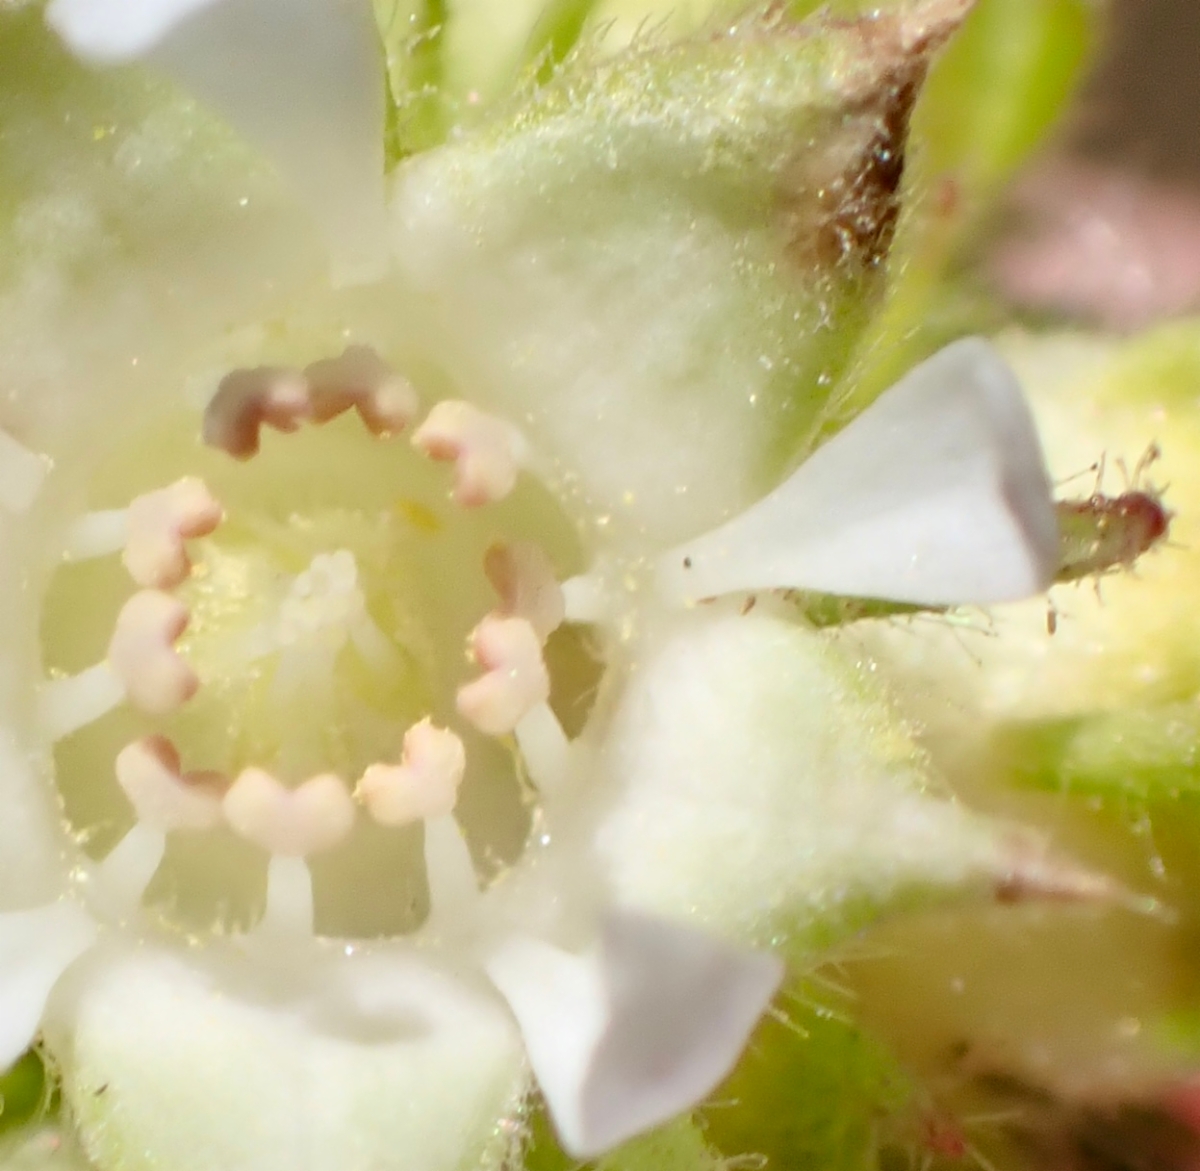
(763, 785)
(679, 241)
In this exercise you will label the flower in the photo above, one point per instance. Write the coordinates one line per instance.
(596, 904)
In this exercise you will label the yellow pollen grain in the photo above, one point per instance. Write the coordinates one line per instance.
(418, 515)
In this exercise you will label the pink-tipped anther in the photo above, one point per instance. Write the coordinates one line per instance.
(142, 653)
(425, 782)
(487, 452)
(162, 795)
(159, 523)
(360, 378)
(247, 400)
(293, 823)
(526, 585)
(515, 679)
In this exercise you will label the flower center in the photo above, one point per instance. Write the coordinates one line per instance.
(283, 631)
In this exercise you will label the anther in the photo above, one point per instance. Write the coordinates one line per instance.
(515, 679)
(290, 823)
(249, 399)
(159, 522)
(143, 656)
(163, 796)
(360, 378)
(425, 782)
(525, 583)
(487, 452)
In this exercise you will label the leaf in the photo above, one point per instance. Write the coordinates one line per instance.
(814, 1090)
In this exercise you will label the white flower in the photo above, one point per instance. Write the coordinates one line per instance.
(587, 901)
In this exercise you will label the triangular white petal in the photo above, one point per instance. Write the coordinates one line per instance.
(629, 1034)
(302, 79)
(35, 949)
(936, 494)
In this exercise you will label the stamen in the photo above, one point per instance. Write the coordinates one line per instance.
(515, 679)
(22, 473)
(585, 599)
(487, 452)
(425, 782)
(142, 653)
(247, 400)
(159, 523)
(544, 747)
(163, 796)
(122, 878)
(524, 579)
(386, 402)
(291, 823)
(68, 704)
(96, 534)
(289, 908)
(453, 885)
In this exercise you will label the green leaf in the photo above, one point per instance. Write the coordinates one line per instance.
(419, 110)
(679, 1146)
(813, 1090)
(1141, 754)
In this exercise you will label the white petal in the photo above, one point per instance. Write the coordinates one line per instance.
(626, 1036)
(115, 31)
(936, 494)
(302, 79)
(215, 1061)
(35, 949)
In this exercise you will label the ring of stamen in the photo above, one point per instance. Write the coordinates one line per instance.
(323, 626)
